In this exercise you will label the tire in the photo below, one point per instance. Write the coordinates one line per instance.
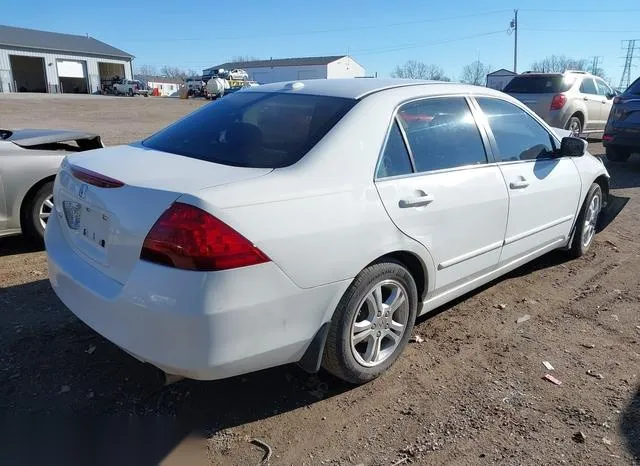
(574, 124)
(360, 363)
(615, 154)
(587, 222)
(40, 203)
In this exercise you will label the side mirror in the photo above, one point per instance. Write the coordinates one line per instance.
(611, 95)
(573, 147)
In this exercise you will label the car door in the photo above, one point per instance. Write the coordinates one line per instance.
(544, 190)
(593, 103)
(606, 97)
(439, 187)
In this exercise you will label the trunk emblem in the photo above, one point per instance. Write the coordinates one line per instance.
(82, 192)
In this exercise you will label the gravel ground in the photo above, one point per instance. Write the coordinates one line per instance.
(471, 393)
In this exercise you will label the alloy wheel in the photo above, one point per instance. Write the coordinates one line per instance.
(590, 220)
(380, 323)
(46, 208)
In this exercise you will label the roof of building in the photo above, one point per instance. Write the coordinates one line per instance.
(44, 40)
(277, 62)
(356, 88)
(502, 72)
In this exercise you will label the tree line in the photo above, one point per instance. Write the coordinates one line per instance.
(476, 71)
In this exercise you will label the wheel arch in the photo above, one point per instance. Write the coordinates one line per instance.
(603, 181)
(414, 265)
(29, 195)
(580, 115)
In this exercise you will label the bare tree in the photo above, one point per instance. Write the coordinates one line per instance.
(146, 70)
(243, 58)
(414, 69)
(475, 73)
(173, 72)
(559, 64)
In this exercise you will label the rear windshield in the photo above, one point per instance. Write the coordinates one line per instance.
(634, 89)
(539, 84)
(253, 129)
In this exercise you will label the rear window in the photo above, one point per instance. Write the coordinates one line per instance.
(539, 84)
(634, 89)
(253, 129)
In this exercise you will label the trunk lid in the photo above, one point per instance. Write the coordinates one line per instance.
(107, 226)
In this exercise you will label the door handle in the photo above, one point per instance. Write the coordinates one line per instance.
(519, 184)
(585, 98)
(418, 201)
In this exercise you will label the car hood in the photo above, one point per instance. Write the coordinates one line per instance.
(38, 137)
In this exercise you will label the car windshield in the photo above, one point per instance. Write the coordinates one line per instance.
(634, 89)
(539, 84)
(253, 129)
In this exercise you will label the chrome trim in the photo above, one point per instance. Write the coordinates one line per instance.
(435, 172)
(470, 255)
(533, 231)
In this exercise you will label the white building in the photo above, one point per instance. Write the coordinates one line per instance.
(40, 61)
(500, 78)
(291, 69)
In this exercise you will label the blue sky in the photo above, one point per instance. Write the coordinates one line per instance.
(378, 34)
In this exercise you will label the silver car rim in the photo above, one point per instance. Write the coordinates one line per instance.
(45, 210)
(590, 220)
(380, 323)
(574, 127)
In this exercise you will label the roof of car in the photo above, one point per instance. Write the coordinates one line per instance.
(356, 88)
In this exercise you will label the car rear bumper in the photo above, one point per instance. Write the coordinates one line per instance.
(617, 135)
(198, 325)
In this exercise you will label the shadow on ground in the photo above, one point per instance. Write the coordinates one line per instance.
(624, 174)
(630, 426)
(68, 396)
(16, 245)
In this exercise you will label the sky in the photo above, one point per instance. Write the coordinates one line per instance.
(377, 34)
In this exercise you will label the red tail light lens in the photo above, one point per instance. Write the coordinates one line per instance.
(94, 179)
(558, 101)
(186, 237)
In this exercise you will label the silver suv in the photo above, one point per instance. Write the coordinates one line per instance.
(573, 100)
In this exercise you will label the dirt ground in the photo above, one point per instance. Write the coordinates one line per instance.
(471, 393)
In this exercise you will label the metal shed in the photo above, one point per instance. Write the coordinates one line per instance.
(41, 61)
(291, 69)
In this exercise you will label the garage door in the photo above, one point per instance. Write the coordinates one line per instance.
(70, 69)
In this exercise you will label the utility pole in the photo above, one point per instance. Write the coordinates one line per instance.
(625, 79)
(514, 26)
(594, 65)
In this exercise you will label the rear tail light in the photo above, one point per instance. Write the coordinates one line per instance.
(94, 179)
(607, 137)
(186, 237)
(558, 101)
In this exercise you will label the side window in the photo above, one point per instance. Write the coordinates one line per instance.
(395, 157)
(442, 134)
(517, 134)
(603, 88)
(588, 86)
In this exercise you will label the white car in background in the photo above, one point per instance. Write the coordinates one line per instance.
(311, 222)
(238, 74)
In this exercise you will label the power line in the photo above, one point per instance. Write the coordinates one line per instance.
(543, 10)
(329, 30)
(580, 30)
(423, 44)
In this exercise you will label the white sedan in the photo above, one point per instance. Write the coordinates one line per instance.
(311, 222)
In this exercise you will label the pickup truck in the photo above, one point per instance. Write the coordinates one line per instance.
(131, 88)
